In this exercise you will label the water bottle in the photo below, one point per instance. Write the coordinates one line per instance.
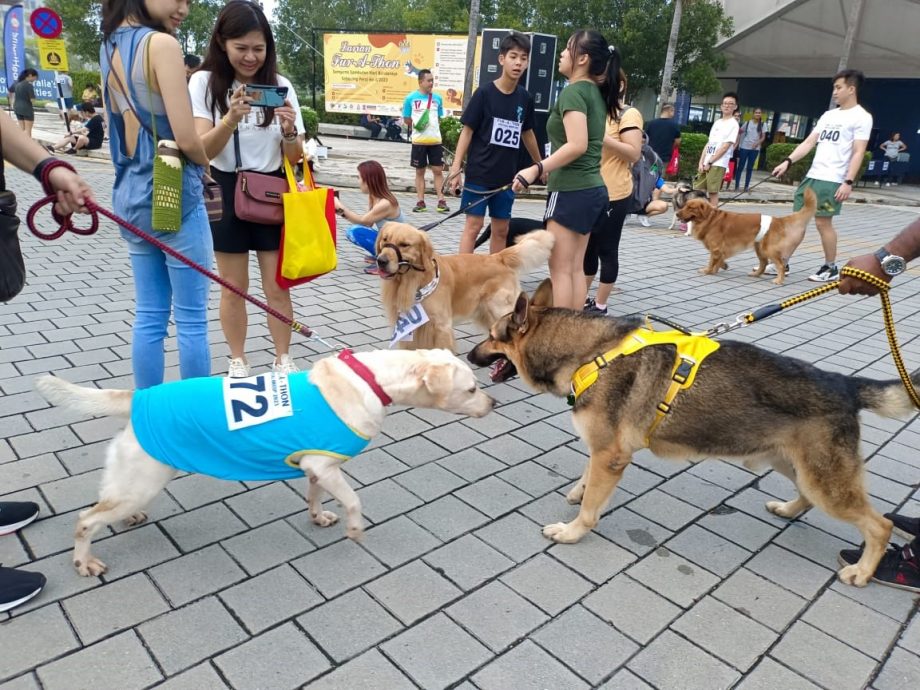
(168, 151)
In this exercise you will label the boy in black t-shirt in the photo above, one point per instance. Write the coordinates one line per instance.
(497, 120)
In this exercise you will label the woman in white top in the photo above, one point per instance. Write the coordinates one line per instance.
(241, 52)
(893, 146)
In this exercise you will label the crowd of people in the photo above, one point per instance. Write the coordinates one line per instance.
(152, 92)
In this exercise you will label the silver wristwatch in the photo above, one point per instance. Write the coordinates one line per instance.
(892, 264)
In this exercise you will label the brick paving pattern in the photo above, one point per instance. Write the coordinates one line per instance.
(687, 582)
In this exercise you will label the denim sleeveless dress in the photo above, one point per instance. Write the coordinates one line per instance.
(132, 193)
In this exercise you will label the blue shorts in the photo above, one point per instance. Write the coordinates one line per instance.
(577, 210)
(499, 205)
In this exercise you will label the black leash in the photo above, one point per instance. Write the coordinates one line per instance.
(464, 209)
(740, 194)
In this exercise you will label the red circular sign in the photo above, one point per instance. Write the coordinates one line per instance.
(46, 23)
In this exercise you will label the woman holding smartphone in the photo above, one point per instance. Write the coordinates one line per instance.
(241, 53)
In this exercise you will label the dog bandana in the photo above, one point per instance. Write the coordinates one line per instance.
(183, 424)
(765, 221)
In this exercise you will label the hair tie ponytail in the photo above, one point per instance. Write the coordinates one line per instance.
(612, 49)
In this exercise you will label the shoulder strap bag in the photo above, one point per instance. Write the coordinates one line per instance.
(12, 265)
(166, 209)
(257, 197)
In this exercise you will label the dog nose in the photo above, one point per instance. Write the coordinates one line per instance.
(381, 262)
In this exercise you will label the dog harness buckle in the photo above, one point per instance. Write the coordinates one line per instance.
(600, 361)
(683, 371)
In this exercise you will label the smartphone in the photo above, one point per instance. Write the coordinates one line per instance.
(265, 96)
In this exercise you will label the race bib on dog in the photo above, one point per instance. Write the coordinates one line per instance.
(256, 400)
(506, 133)
(408, 322)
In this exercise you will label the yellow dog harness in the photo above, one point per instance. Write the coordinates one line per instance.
(691, 351)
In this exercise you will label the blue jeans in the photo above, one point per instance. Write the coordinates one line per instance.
(364, 237)
(163, 284)
(746, 158)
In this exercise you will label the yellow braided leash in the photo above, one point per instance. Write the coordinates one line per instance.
(770, 310)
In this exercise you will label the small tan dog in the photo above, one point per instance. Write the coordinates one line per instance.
(725, 234)
(338, 392)
(451, 288)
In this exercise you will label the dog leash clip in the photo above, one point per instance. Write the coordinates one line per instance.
(727, 326)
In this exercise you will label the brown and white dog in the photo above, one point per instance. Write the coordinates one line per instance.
(725, 234)
(685, 192)
(451, 287)
(133, 477)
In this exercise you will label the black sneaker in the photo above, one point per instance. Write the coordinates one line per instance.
(18, 586)
(899, 567)
(825, 274)
(594, 309)
(906, 527)
(16, 515)
(589, 302)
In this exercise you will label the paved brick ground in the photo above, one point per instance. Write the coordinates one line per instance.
(686, 583)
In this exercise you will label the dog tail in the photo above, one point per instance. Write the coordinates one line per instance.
(811, 205)
(531, 251)
(90, 401)
(888, 398)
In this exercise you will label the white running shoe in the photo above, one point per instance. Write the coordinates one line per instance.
(237, 368)
(770, 270)
(284, 365)
(825, 274)
(643, 221)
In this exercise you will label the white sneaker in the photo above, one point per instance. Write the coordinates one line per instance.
(878, 184)
(770, 270)
(643, 221)
(825, 274)
(237, 368)
(284, 365)
(887, 184)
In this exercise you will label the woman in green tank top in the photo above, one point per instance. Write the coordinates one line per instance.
(575, 129)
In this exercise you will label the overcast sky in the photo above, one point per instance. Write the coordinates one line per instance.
(269, 7)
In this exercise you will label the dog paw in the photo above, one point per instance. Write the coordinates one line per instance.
(325, 518)
(136, 519)
(783, 510)
(91, 567)
(851, 575)
(355, 533)
(575, 495)
(562, 533)
(756, 272)
(777, 281)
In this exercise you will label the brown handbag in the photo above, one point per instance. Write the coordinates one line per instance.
(257, 196)
(213, 199)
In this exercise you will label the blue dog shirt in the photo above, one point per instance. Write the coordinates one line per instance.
(183, 424)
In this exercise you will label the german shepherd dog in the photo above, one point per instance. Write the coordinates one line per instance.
(787, 413)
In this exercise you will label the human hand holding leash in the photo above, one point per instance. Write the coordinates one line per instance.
(850, 285)
(527, 177)
(72, 191)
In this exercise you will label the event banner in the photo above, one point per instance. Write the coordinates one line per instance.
(375, 72)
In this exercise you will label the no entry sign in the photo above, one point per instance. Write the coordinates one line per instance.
(46, 23)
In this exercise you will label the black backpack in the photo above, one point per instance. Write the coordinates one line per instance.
(12, 267)
(645, 172)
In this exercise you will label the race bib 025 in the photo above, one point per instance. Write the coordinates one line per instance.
(506, 133)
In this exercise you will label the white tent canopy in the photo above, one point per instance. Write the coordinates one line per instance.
(805, 38)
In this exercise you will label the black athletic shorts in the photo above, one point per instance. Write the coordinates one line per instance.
(235, 236)
(424, 155)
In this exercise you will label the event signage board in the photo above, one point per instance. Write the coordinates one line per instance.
(374, 72)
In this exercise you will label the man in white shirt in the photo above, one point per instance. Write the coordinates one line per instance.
(718, 150)
(841, 137)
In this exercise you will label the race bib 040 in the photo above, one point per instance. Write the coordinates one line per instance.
(506, 133)
(256, 400)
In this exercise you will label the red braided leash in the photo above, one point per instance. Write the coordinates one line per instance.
(65, 224)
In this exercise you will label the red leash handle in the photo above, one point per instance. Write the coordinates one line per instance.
(95, 209)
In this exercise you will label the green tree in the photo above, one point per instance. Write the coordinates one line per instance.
(195, 31)
(81, 27)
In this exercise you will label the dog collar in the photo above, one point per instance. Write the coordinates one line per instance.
(692, 349)
(426, 290)
(366, 374)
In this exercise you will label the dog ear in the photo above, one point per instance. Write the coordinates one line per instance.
(438, 379)
(519, 315)
(543, 296)
(378, 242)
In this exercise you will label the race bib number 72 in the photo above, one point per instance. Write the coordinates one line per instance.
(256, 400)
